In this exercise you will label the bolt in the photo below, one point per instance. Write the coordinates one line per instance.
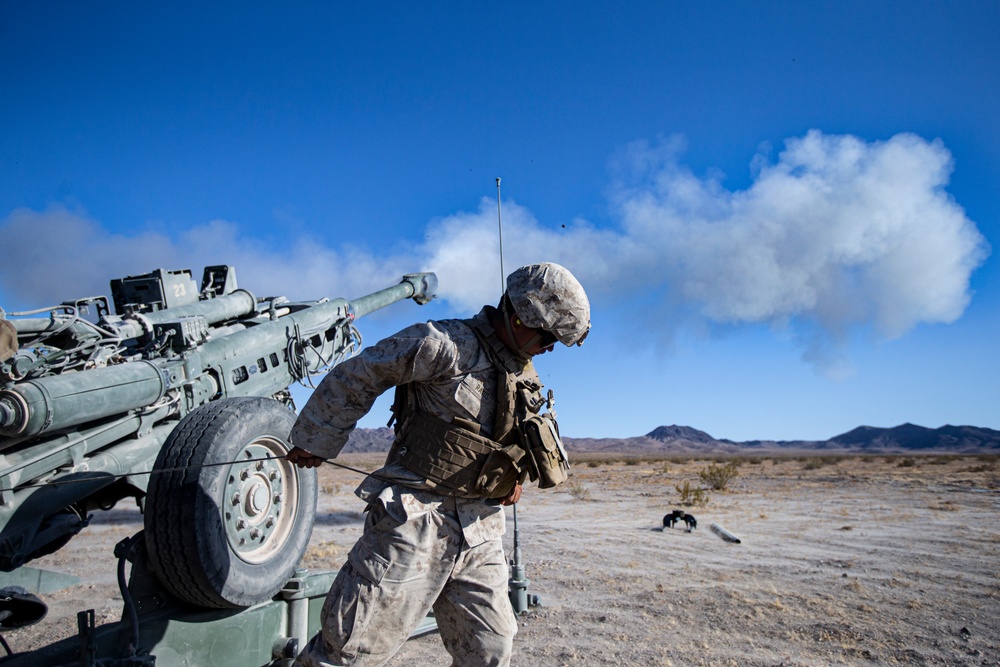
(236, 498)
(273, 475)
(277, 498)
(260, 465)
(244, 474)
(270, 522)
(254, 534)
(241, 524)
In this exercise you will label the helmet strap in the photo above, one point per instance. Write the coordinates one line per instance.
(519, 351)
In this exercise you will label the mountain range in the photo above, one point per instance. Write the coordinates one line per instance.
(905, 438)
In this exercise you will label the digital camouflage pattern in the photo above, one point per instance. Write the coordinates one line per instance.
(451, 376)
(413, 558)
(547, 296)
(442, 552)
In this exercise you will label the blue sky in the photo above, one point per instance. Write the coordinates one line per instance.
(784, 212)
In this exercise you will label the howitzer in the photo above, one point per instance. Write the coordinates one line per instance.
(181, 401)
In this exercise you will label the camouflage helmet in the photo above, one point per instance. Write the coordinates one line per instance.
(547, 296)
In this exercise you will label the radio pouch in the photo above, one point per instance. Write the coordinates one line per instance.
(545, 448)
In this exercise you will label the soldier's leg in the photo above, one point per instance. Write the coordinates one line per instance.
(391, 578)
(474, 615)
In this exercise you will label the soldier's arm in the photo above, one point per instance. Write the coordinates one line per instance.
(348, 392)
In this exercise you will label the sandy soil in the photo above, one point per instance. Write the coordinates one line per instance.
(842, 561)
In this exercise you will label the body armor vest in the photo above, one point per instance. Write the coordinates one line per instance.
(453, 457)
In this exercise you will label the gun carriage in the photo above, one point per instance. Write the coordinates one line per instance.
(180, 400)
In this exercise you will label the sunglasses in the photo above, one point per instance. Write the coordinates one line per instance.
(547, 338)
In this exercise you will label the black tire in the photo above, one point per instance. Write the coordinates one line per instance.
(229, 536)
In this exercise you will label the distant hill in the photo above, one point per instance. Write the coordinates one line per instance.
(914, 438)
(681, 434)
(686, 440)
(368, 440)
(903, 438)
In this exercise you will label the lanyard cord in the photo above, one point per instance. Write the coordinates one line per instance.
(96, 474)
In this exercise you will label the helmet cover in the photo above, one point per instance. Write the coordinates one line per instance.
(8, 340)
(547, 296)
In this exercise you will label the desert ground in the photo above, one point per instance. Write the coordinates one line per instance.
(842, 560)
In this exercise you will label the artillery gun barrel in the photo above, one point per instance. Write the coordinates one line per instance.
(231, 306)
(323, 322)
(59, 401)
(86, 409)
(220, 309)
(420, 286)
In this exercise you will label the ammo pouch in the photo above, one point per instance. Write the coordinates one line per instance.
(457, 461)
(545, 448)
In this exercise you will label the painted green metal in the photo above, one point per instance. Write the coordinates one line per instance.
(86, 407)
(172, 634)
(88, 402)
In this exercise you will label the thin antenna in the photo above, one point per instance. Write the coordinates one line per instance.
(517, 584)
(500, 226)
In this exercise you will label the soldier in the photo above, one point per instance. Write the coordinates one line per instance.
(466, 392)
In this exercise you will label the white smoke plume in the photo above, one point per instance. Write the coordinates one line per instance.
(838, 231)
(837, 234)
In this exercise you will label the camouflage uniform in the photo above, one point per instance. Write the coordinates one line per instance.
(420, 550)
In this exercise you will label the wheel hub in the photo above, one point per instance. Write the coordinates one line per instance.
(257, 517)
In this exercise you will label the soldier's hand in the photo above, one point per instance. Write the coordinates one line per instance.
(303, 459)
(513, 496)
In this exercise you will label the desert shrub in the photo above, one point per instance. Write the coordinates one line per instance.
(578, 491)
(944, 506)
(691, 495)
(719, 476)
(322, 555)
(906, 463)
(816, 462)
